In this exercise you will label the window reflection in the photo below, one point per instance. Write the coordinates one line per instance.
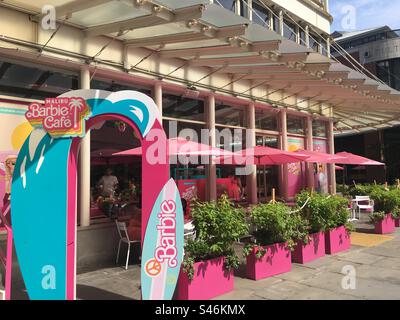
(266, 120)
(319, 129)
(230, 115)
(295, 125)
(183, 108)
(34, 82)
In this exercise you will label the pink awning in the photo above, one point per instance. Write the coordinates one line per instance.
(320, 157)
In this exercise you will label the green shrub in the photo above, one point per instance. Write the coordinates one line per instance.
(377, 217)
(274, 223)
(324, 213)
(218, 226)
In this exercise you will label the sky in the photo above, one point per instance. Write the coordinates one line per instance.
(364, 14)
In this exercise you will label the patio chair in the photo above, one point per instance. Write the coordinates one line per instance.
(124, 238)
(189, 231)
(362, 203)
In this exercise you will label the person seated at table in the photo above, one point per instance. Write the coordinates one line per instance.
(108, 184)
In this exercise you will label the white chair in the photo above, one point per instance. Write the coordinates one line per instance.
(189, 231)
(123, 237)
(362, 203)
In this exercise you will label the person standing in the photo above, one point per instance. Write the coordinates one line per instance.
(108, 184)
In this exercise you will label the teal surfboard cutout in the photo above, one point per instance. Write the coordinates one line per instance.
(163, 246)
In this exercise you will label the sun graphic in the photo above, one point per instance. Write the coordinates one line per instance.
(293, 148)
(20, 134)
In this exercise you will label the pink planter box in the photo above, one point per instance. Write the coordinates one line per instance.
(386, 225)
(277, 260)
(397, 223)
(304, 253)
(337, 240)
(210, 280)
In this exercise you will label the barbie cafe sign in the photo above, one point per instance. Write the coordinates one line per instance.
(60, 117)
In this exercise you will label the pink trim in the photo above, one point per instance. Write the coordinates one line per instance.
(9, 254)
(71, 220)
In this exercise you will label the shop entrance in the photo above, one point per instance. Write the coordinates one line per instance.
(267, 176)
(115, 192)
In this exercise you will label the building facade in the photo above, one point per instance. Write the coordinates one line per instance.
(224, 64)
(378, 51)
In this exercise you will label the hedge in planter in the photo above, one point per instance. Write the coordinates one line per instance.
(274, 227)
(329, 228)
(338, 228)
(384, 223)
(209, 260)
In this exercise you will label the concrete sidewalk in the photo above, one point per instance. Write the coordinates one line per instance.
(377, 270)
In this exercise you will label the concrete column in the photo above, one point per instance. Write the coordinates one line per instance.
(284, 146)
(309, 147)
(212, 169)
(331, 167)
(328, 47)
(84, 164)
(307, 32)
(251, 185)
(157, 96)
(281, 23)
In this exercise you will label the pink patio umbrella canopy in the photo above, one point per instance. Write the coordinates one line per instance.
(264, 156)
(182, 147)
(320, 157)
(353, 159)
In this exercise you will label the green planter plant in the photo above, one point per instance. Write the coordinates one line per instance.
(274, 228)
(207, 269)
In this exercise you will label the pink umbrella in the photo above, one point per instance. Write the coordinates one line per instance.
(353, 159)
(264, 156)
(320, 157)
(339, 168)
(183, 147)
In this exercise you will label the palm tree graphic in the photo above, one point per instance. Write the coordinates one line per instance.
(76, 105)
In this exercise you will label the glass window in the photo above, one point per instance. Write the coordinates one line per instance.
(319, 129)
(34, 82)
(266, 120)
(244, 8)
(228, 4)
(261, 15)
(110, 85)
(289, 31)
(314, 42)
(302, 37)
(183, 108)
(231, 139)
(295, 125)
(276, 25)
(230, 115)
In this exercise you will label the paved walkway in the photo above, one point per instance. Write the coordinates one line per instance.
(377, 270)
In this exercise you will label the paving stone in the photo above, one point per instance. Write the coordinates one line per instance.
(299, 272)
(362, 257)
(390, 263)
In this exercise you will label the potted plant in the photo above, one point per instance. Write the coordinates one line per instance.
(384, 223)
(270, 254)
(312, 209)
(337, 234)
(210, 259)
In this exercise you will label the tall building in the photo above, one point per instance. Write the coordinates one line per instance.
(378, 51)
